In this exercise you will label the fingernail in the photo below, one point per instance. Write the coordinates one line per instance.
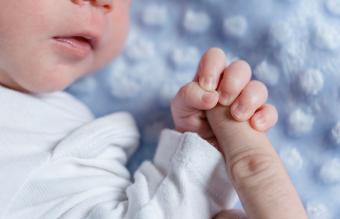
(207, 83)
(225, 99)
(239, 111)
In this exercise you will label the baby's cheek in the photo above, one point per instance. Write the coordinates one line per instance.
(114, 37)
(120, 25)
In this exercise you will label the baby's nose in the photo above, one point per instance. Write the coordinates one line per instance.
(107, 5)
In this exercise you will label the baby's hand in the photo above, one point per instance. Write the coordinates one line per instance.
(228, 85)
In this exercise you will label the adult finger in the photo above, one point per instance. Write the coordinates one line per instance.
(255, 169)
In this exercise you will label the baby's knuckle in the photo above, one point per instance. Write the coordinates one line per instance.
(242, 64)
(251, 168)
(231, 84)
(184, 91)
(260, 85)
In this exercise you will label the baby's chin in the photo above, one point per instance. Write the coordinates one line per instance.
(40, 87)
(48, 81)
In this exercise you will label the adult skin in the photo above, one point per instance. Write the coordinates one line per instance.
(255, 169)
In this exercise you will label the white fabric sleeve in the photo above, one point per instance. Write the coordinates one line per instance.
(86, 177)
(187, 180)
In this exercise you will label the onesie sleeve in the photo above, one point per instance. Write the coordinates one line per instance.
(187, 179)
(86, 177)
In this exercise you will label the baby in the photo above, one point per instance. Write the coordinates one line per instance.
(57, 161)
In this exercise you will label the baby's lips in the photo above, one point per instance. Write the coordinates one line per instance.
(90, 37)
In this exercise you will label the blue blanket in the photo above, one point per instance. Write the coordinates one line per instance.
(292, 45)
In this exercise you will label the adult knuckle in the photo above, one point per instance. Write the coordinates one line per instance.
(252, 167)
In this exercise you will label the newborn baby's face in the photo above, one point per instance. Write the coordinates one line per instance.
(45, 45)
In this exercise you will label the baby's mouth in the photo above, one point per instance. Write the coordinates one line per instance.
(77, 46)
(77, 41)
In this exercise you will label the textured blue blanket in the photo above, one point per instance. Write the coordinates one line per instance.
(292, 45)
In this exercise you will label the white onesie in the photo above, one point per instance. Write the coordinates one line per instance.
(56, 161)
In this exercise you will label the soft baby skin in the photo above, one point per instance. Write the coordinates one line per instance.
(45, 46)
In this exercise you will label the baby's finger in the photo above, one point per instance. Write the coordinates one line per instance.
(265, 118)
(235, 77)
(253, 96)
(210, 69)
(193, 97)
(194, 123)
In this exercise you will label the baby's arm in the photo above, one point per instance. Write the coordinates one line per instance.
(255, 169)
(85, 176)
